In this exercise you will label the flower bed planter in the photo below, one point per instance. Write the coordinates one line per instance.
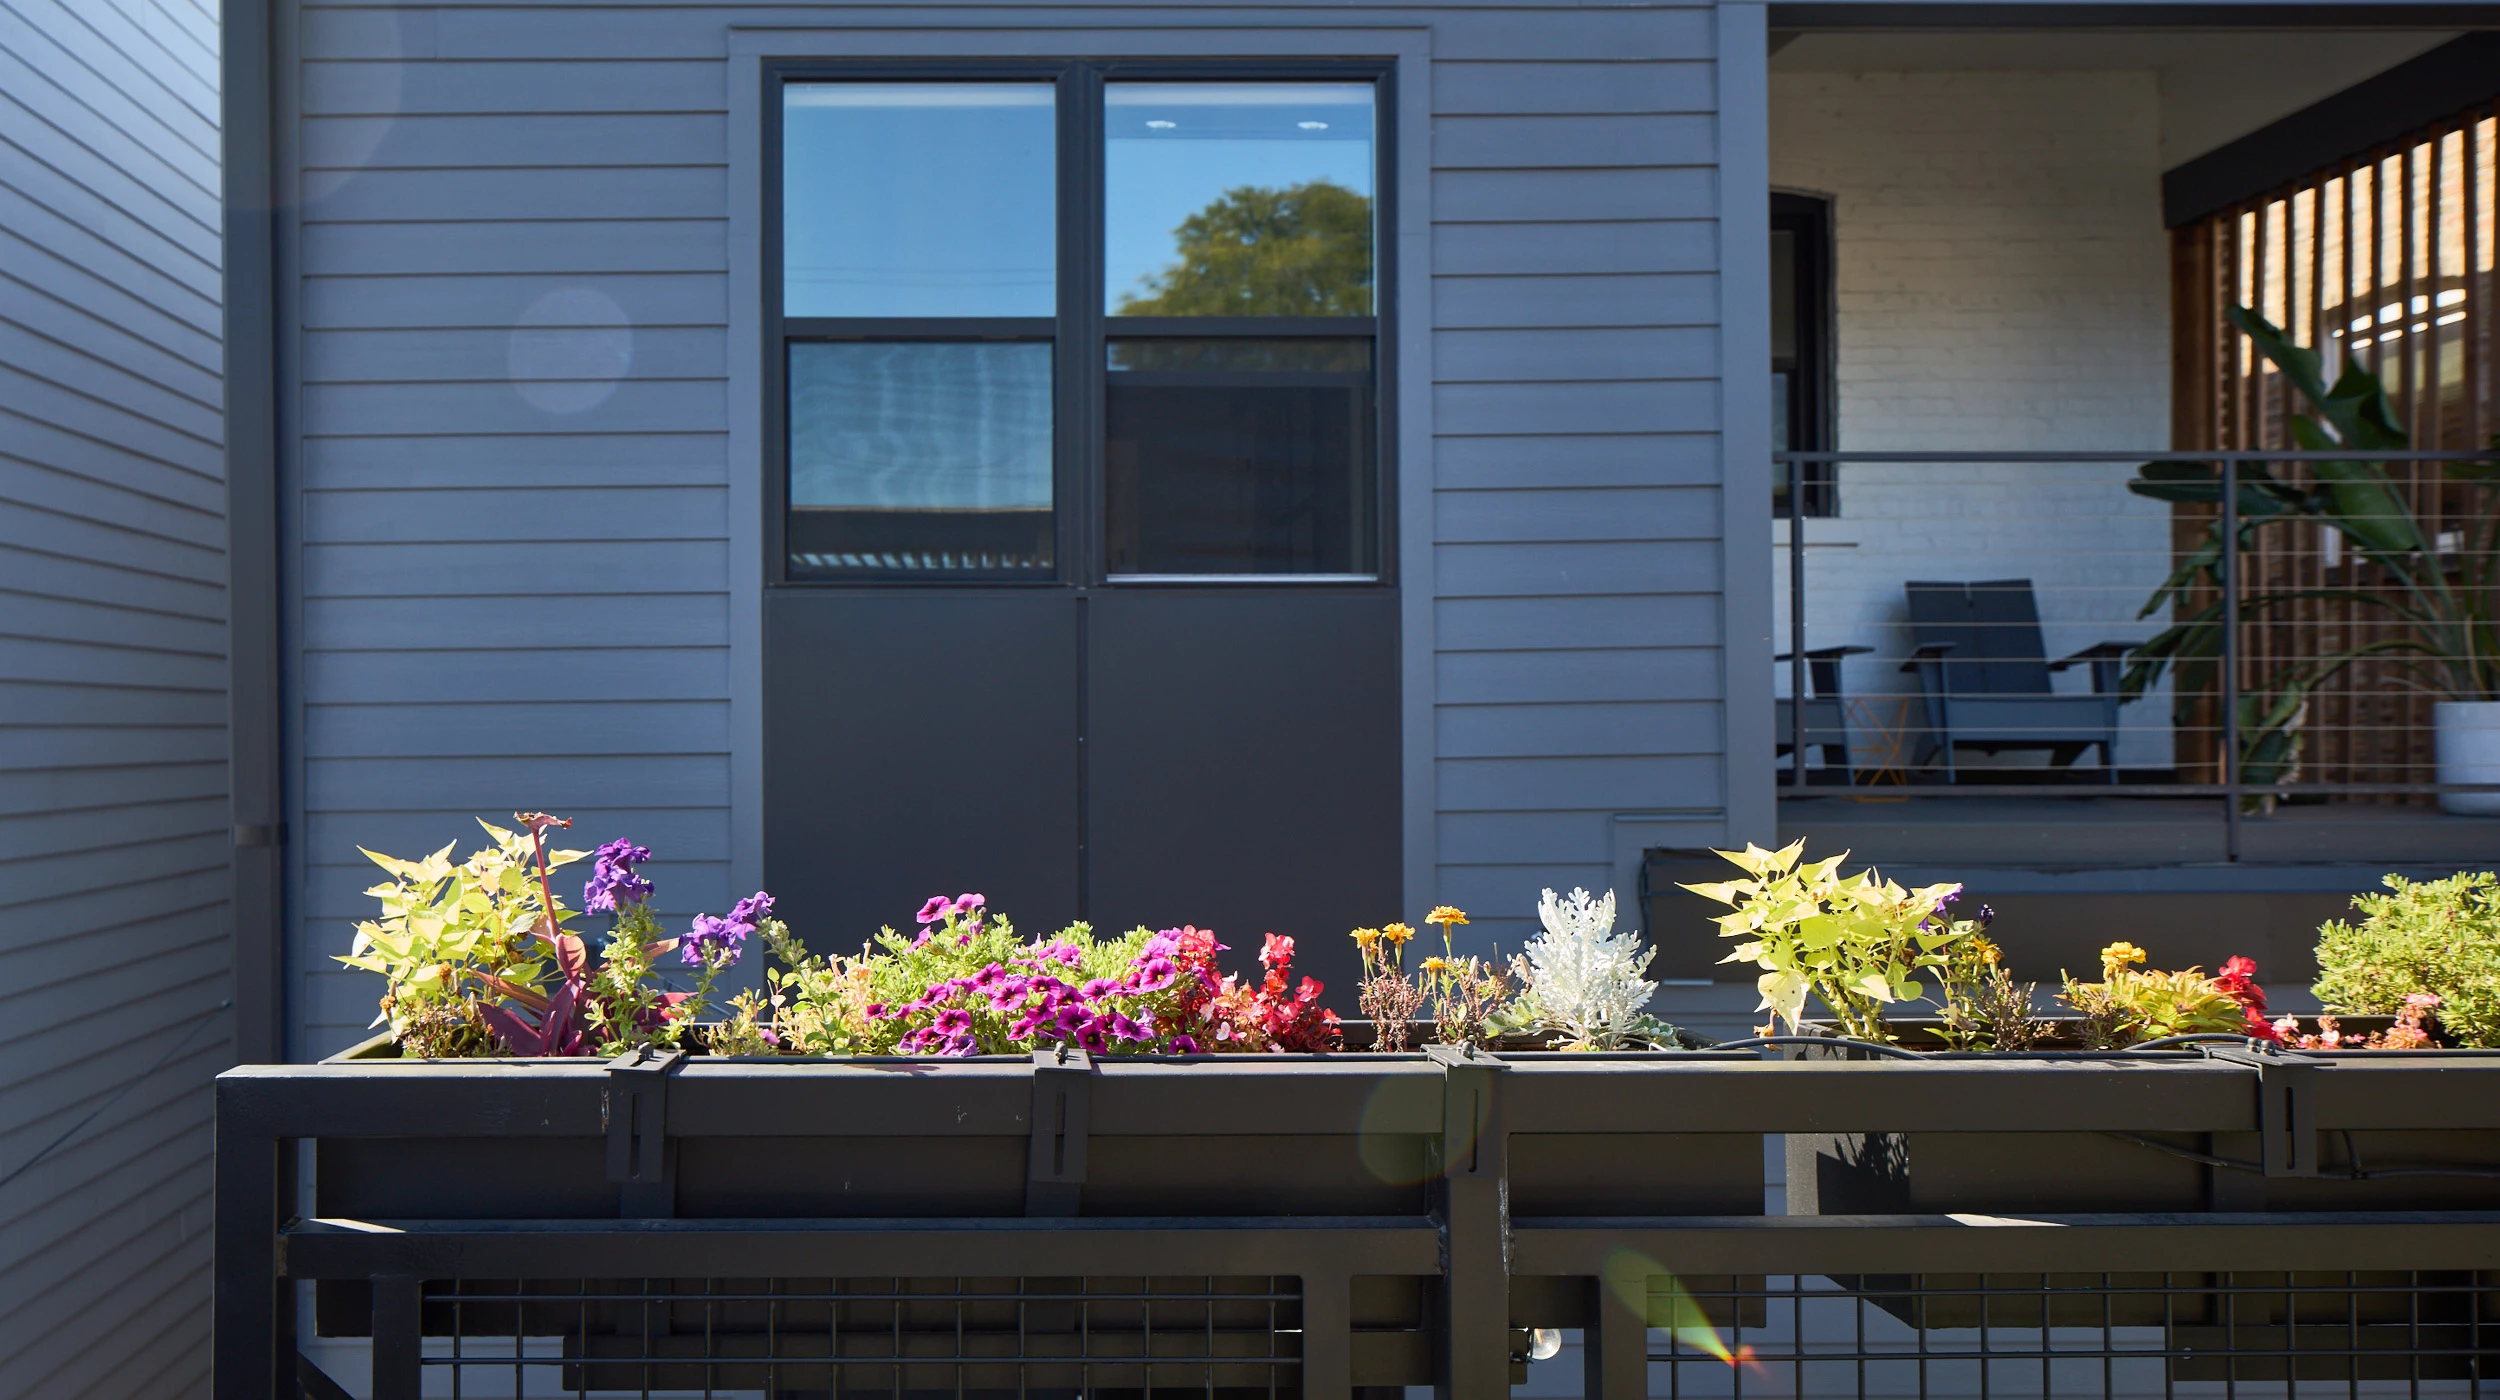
(2210, 1128)
(1253, 1222)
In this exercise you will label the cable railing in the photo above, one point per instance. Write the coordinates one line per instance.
(2258, 627)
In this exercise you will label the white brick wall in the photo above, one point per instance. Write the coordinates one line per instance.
(2002, 284)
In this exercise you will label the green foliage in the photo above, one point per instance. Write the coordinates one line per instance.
(2435, 936)
(2129, 1005)
(2450, 644)
(444, 927)
(1305, 250)
(1983, 1007)
(1857, 943)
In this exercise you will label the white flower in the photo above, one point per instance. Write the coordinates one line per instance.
(1585, 979)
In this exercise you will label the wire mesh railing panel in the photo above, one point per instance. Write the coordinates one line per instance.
(2140, 1336)
(1143, 1338)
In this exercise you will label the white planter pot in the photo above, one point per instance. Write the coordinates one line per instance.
(2469, 752)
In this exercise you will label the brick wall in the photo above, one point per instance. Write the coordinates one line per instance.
(2001, 285)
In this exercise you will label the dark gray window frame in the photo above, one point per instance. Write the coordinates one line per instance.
(1814, 383)
(1081, 331)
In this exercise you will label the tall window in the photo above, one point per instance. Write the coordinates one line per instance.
(1802, 371)
(1080, 325)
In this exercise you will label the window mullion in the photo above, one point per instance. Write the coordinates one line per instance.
(1079, 380)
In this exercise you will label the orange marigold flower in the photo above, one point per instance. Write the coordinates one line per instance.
(1364, 938)
(1395, 935)
(1446, 914)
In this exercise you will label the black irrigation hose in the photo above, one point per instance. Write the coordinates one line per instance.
(2355, 1172)
(1894, 1051)
(2195, 1038)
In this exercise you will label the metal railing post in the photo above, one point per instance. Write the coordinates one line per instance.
(1796, 623)
(2230, 767)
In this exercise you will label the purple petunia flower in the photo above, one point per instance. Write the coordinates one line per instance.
(718, 942)
(938, 907)
(613, 883)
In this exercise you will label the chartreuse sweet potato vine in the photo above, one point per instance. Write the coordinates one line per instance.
(1855, 942)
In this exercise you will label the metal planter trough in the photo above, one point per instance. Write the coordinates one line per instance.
(1309, 1226)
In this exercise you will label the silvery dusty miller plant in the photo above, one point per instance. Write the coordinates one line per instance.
(1583, 979)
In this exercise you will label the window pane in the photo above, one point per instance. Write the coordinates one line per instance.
(1238, 199)
(919, 458)
(918, 199)
(1241, 457)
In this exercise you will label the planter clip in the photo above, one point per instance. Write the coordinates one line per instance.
(633, 1107)
(2287, 1125)
(1472, 1136)
(1063, 1093)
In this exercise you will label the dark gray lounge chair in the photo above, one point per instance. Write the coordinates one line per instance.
(1827, 712)
(1983, 673)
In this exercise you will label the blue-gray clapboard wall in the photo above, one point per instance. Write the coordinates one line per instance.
(113, 819)
(510, 590)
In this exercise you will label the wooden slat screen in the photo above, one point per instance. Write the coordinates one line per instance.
(2387, 256)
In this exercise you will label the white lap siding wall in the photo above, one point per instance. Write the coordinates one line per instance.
(2003, 284)
(509, 297)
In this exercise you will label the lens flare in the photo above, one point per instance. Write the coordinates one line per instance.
(1647, 1288)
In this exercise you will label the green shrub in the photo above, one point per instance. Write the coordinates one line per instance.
(2437, 936)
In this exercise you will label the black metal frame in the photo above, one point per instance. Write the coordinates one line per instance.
(1558, 1190)
(1814, 379)
(1081, 330)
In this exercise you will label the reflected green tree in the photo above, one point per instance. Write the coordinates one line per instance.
(1305, 250)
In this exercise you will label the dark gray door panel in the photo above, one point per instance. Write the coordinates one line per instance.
(917, 744)
(1245, 768)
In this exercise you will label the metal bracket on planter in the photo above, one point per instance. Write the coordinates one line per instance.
(1471, 1136)
(1063, 1093)
(633, 1106)
(2287, 1126)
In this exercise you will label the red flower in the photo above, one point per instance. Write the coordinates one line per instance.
(2238, 981)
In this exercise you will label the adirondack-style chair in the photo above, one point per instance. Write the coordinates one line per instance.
(1827, 712)
(1983, 674)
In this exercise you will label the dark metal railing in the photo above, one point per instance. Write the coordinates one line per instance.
(2233, 785)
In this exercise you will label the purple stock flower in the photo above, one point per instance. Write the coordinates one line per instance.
(613, 883)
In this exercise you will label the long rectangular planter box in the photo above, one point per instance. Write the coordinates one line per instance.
(1337, 1222)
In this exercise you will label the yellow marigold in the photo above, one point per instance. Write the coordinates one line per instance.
(2118, 955)
(1364, 938)
(1446, 914)
(1436, 965)
(1988, 953)
(1395, 935)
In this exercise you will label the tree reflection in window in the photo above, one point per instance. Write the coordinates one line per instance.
(1303, 250)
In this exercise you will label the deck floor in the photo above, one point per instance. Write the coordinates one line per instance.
(2115, 832)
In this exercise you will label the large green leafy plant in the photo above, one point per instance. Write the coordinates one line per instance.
(1858, 943)
(2450, 640)
(2436, 936)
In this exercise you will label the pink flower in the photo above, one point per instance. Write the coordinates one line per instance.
(938, 907)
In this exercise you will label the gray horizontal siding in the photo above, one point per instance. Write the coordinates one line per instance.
(465, 161)
(114, 836)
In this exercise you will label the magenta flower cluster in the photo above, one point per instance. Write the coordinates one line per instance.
(613, 883)
(1032, 989)
(939, 909)
(717, 942)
